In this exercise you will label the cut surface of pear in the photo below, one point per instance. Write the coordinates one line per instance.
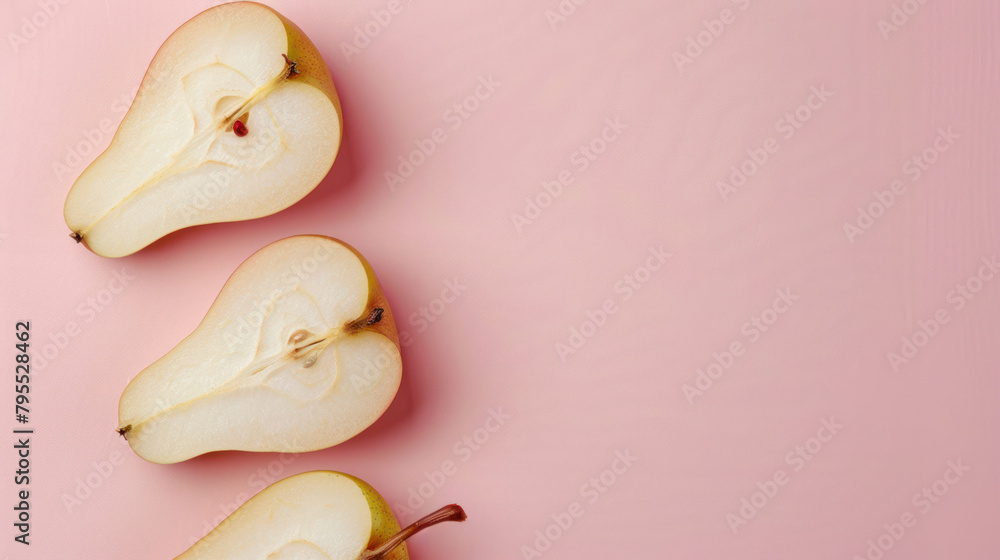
(299, 352)
(236, 118)
(319, 515)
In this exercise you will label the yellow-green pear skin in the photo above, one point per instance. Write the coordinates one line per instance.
(384, 523)
(315, 515)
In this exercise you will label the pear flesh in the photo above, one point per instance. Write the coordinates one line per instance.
(237, 118)
(299, 352)
(319, 515)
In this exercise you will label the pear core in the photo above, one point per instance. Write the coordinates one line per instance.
(299, 352)
(236, 118)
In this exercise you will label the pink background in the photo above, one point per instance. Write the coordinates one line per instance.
(495, 347)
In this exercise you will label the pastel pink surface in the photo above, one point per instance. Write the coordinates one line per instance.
(528, 282)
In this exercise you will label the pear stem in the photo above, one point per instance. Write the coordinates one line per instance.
(374, 317)
(361, 324)
(293, 67)
(454, 512)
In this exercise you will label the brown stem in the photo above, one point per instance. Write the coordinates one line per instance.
(359, 325)
(454, 512)
(374, 317)
(76, 237)
(294, 67)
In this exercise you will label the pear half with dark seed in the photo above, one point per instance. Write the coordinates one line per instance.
(236, 118)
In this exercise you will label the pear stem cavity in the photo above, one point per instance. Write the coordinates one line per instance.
(374, 317)
(453, 512)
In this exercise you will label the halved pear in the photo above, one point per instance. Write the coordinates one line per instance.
(236, 118)
(319, 515)
(299, 352)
